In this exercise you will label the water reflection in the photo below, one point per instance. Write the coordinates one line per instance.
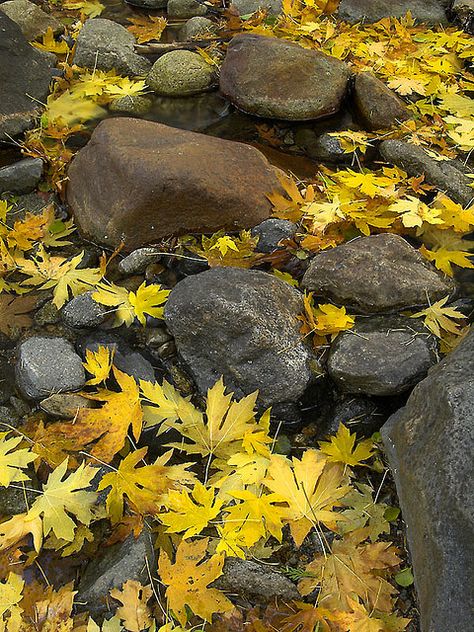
(194, 113)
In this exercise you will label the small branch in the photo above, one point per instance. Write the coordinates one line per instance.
(160, 48)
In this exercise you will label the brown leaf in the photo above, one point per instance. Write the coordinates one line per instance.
(14, 312)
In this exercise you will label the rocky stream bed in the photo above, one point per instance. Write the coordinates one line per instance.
(275, 195)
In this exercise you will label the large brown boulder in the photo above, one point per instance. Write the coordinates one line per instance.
(137, 182)
(277, 79)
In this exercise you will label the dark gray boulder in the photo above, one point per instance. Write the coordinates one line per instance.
(273, 78)
(380, 273)
(463, 12)
(47, 365)
(241, 324)
(440, 173)
(82, 311)
(25, 74)
(431, 11)
(430, 446)
(382, 355)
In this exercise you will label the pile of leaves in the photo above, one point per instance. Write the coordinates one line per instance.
(220, 490)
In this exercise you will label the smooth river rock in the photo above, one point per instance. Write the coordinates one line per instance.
(380, 273)
(32, 20)
(241, 324)
(430, 446)
(273, 78)
(377, 106)
(138, 182)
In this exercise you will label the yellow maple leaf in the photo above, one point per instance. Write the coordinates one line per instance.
(99, 364)
(437, 317)
(222, 432)
(353, 567)
(10, 596)
(18, 527)
(49, 44)
(59, 273)
(125, 88)
(13, 462)
(60, 498)
(224, 244)
(68, 108)
(443, 259)
(142, 486)
(147, 27)
(342, 448)
(366, 182)
(90, 8)
(105, 428)
(134, 611)
(54, 612)
(190, 513)
(311, 487)
(187, 581)
(413, 212)
(148, 299)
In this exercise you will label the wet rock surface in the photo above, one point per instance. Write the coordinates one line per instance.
(25, 74)
(193, 194)
(241, 324)
(272, 78)
(430, 444)
(384, 355)
(22, 176)
(381, 273)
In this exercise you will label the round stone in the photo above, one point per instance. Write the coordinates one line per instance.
(180, 73)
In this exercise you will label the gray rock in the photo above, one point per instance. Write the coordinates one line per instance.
(32, 20)
(431, 11)
(358, 412)
(241, 324)
(138, 260)
(430, 447)
(463, 11)
(180, 73)
(255, 581)
(22, 176)
(381, 273)
(416, 162)
(137, 105)
(322, 147)
(83, 311)
(273, 78)
(65, 405)
(106, 45)
(384, 355)
(24, 80)
(245, 7)
(118, 563)
(271, 232)
(185, 9)
(16, 500)
(46, 366)
(378, 106)
(196, 27)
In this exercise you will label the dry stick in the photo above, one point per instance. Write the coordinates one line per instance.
(161, 47)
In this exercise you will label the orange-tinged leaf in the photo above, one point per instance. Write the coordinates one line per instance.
(103, 431)
(134, 611)
(14, 312)
(353, 567)
(187, 581)
(147, 27)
